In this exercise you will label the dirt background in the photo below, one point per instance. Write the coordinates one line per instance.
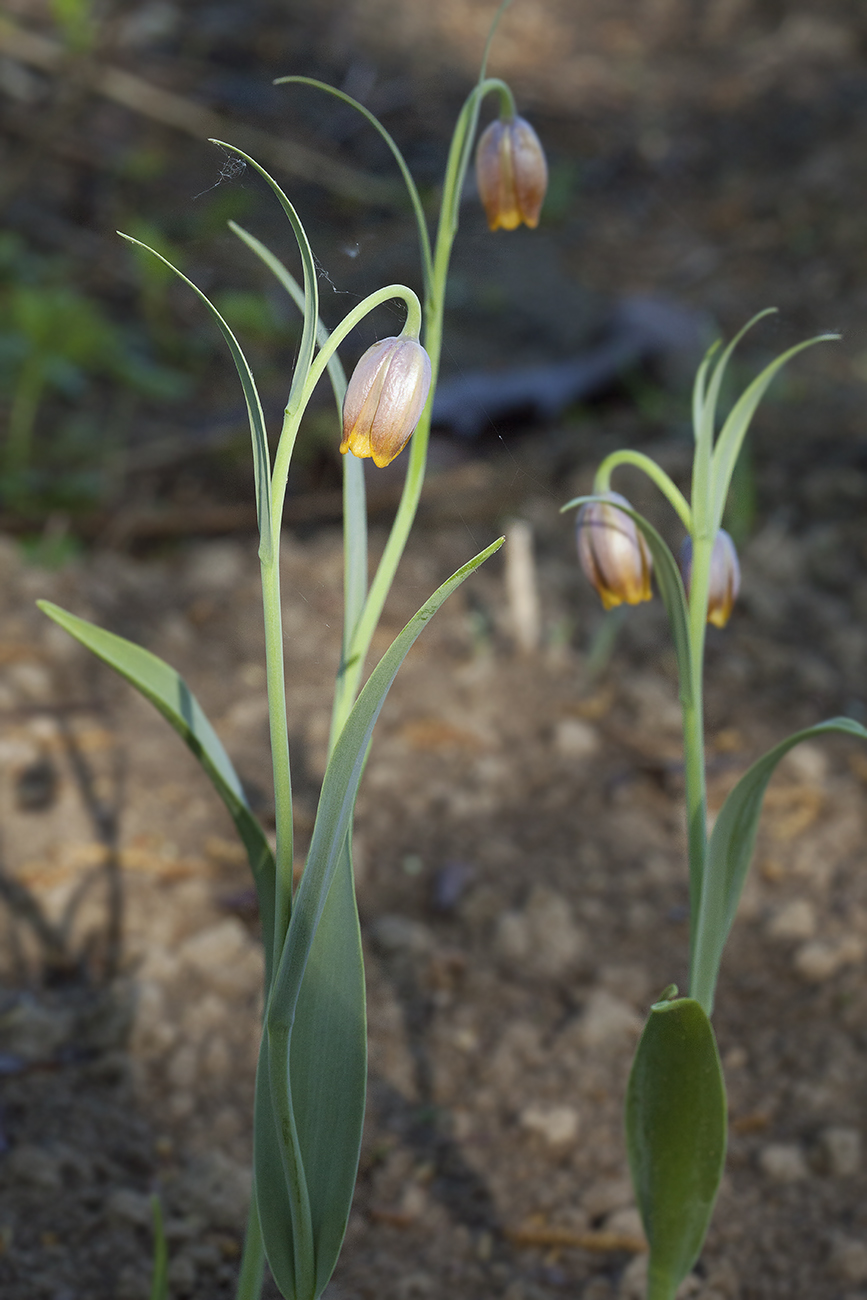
(520, 844)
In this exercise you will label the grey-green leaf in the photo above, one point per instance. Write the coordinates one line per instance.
(261, 455)
(169, 693)
(676, 1137)
(312, 1069)
(730, 852)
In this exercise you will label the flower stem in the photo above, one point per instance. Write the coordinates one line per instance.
(279, 746)
(693, 732)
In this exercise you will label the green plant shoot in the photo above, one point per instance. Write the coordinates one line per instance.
(675, 1109)
(311, 1077)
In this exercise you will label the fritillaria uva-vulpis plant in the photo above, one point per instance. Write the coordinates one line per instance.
(675, 1103)
(311, 1077)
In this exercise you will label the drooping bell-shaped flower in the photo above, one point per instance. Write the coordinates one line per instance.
(511, 173)
(385, 398)
(613, 552)
(725, 576)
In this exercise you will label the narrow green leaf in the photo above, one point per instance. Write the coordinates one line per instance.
(310, 1089)
(671, 590)
(169, 693)
(676, 1137)
(730, 852)
(160, 1275)
(698, 388)
(702, 486)
(412, 189)
(336, 373)
(735, 428)
(261, 455)
(311, 291)
(354, 503)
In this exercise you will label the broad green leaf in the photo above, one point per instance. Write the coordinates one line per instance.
(676, 1137)
(328, 1079)
(160, 1274)
(169, 693)
(261, 455)
(670, 586)
(730, 852)
(310, 1086)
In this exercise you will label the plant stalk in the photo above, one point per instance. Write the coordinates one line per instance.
(279, 732)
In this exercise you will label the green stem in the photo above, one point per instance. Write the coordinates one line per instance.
(693, 731)
(295, 408)
(279, 746)
(434, 312)
(669, 490)
(253, 1259)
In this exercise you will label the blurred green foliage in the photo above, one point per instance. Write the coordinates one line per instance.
(76, 23)
(56, 344)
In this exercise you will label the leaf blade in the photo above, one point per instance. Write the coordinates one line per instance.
(676, 1137)
(168, 692)
(261, 455)
(324, 920)
(737, 423)
(730, 852)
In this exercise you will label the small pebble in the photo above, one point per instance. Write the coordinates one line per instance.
(182, 1275)
(608, 1019)
(35, 1166)
(625, 1223)
(820, 959)
(841, 1149)
(395, 934)
(128, 1206)
(607, 1195)
(849, 1259)
(544, 938)
(557, 1125)
(575, 739)
(783, 1162)
(794, 920)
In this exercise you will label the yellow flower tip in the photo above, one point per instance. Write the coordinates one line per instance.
(356, 442)
(384, 399)
(613, 553)
(511, 174)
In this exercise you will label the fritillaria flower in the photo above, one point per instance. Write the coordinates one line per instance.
(613, 553)
(725, 576)
(511, 173)
(385, 398)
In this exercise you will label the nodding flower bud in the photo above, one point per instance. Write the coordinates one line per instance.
(725, 576)
(385, 398)
(511, 173)
(613, 552)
